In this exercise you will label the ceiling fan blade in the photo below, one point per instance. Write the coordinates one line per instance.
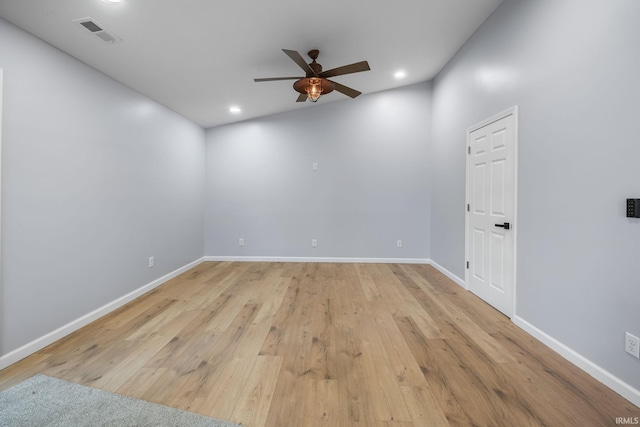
(302, 97)
(271, 79)
(356, 67)
(298, 59)
(345, 89)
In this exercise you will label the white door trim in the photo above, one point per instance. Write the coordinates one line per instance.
(1, 290)
(513, 111)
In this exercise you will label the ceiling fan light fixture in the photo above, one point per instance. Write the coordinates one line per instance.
(313, 87)
(314, 90)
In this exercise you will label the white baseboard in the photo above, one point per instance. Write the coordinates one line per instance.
(51, 337)
(318, 259)
(447, 273)
(605, 377)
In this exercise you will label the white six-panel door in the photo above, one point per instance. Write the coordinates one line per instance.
(491, 208)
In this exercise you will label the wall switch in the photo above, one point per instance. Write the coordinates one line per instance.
(398, 243)
(314, 243)
(315, 166)
(241, 242)
(632, 345)
(633, 208)
(151, 261)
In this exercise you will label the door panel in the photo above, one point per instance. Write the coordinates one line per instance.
(498, 176)
(497, 261)
(478, 254)
(479, 176)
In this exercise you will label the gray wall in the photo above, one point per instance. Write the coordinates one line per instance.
(572, 68)
(96, 178)
(371, 188)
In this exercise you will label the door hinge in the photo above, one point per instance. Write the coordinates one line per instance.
(468, 207)
(469, 150)
(467, 264)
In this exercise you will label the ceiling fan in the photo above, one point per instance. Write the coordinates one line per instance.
(315, 82)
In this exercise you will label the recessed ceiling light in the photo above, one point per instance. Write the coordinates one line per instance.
(400, 75)
(111, 1)
(235, 110)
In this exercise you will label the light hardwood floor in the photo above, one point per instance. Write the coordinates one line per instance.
(306, 344)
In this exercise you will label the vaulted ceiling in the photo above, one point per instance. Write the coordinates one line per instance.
(199, 57)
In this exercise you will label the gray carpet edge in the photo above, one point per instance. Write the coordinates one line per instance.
(46, 401)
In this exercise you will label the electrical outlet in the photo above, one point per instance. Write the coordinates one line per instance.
(398, 243)
(314, 243)
(632, 345)
(240, 242)
(151, 262)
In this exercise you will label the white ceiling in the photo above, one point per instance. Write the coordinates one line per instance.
(199, 57)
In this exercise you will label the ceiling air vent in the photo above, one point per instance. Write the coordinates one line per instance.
(98, 30)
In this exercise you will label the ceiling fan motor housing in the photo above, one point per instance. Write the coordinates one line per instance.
(317, 68)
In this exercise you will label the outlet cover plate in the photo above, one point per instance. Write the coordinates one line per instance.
(632, 345)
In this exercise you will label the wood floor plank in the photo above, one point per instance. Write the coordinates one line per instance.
(383, 386)
(393, 350)
(141, 381)
(227, 385)
(256, 395)
(273, 300)
(433, 371)
(369, 288)
(423, 408)
(273, 345)
(321, 403)
(113, 378)
(287, 408)
(326, 344)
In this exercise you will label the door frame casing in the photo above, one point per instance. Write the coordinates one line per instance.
(1, 270)
(513, 111)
